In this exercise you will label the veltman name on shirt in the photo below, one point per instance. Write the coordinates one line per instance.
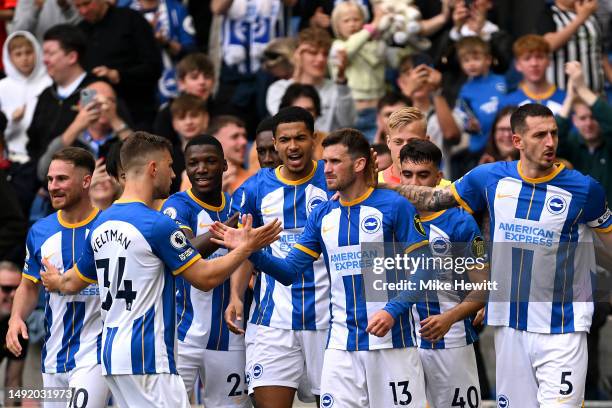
(527, 234)
(110, 236)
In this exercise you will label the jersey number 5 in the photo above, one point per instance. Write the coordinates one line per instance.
(126, 293)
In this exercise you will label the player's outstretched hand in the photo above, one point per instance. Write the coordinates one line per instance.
(17, 327)
(435, 327)
(233, 316)
(479, 318)
(50, 276)
(247, 237)
(380, 323)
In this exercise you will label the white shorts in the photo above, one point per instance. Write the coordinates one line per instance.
(148, 390)
(281, 357)
(540, 370)
(221, 373)
(451, 377)
(375, 378)
(89, 388)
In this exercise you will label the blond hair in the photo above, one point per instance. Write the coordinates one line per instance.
(404, 117)
(340, 9)
(19, 41)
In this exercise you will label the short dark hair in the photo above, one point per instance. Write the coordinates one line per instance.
(296, 91)
(355, 142)
(472, 45)
(196, 61)
(266, 125)
(206, 140)
(392, 98)
(185, 103)
(518, 120)
(421, 151)
(138, 146)
(381, 148)
(316, 37)
(113, 159)
(70, 38)
(293, 114)
(221, 121)
(77, 156)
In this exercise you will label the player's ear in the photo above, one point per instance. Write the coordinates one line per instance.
(224, 165)
(438, 177)
(86, 181)
(517, 141)
(359, 165)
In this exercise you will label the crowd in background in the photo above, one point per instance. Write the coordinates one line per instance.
(89, 72)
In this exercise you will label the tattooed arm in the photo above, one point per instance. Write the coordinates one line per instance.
(426, 198)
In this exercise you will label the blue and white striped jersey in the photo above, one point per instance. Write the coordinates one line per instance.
(542, 244)
(199, 314)
(337, 230)
(451, 232)
(268, 196)
(72, 322)
(134, 252)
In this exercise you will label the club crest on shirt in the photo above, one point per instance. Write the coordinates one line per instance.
(556, 204)
(370, 224)
(313, 202)
(440, 246)
(170, 212)
(327, 401)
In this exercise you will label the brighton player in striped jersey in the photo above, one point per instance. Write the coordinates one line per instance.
(370, 360)
(135, 252)
(542, 219)
(70, 352)
(444, 326)
(287, 330)
(206, 347)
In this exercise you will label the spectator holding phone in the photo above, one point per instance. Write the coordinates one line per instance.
(96, 124)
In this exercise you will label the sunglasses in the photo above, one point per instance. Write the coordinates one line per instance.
(7, 288)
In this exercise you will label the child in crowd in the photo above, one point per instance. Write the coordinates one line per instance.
(189, 119)
(195, 76)
(365, 71)
(532, 57)
(479, 97)
(26, 78)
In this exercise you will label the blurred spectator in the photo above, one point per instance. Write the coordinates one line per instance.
(231, 132)
(13, 224)
(304, 96)
(500, 146)
(7, 10)
(262, 153)
(121, 47)
(57, 106)
(278, 57)
(310, 60)
(189, 119)
(532, 58)
(195, 76)
(96, 124)
(573, 34)
(247, 28)
(10, 276)
(383, 156)
(174, 32)
(588, 144)
(386, 106)
(37, 16)
(202, 21)
(479, 97)
(317, 13)
(420, 83)
(103, 189)
(26, 79)
(365, 51)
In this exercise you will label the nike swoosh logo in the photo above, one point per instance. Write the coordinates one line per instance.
(562, 400)
(204, 225)
(327, 229)
(267, 211)
(499, 195)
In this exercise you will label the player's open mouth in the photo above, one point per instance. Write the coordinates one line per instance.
(295, 159)
(202, 180)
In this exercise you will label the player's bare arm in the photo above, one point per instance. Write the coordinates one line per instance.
(239, 281)
(606, 239)
(203, 242)
(207, 274)
(426, 198)
(435, 327)
(68, 283)
(25, 300)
